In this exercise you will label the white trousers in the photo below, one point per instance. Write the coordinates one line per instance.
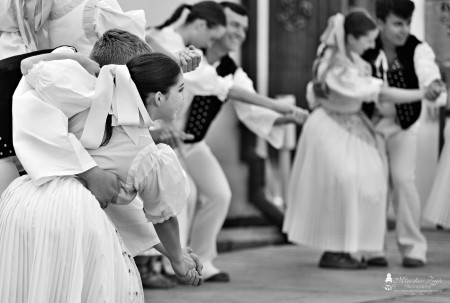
(402, 152)
(205, 218)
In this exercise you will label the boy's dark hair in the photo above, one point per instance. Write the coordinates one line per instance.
(401, 8)
(235, 7)
(118, 47)
(210, 11)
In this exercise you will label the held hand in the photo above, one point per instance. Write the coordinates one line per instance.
(188, 58)
(196, 259)
(433, 90)
(299, 115)
(186, 272)
(103, 185)
(170, 136)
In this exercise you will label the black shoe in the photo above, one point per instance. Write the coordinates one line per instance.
(340, 261)
(412, 263)
(219, 277)
(377, 262)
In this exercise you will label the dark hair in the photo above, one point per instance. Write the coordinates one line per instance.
(151, 73)
(358, 22)
(235, 7)
(401, 8)
(118, 47)
(210, 11)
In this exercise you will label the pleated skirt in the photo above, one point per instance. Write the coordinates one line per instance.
(437, 209)
(337, 193)
(57, 245)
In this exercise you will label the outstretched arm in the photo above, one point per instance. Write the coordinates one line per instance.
(399, 95)
(241, 94)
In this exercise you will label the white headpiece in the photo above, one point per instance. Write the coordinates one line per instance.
(119, 98)
(334, 34)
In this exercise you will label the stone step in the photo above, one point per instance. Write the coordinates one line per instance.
(235, 238)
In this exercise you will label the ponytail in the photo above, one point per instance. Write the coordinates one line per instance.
(175, 16)
(210, 11)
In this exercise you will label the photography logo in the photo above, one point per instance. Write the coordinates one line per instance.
(412, 285)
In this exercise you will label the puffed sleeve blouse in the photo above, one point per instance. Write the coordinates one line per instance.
(348, 80)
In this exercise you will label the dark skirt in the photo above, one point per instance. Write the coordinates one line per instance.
(10, 75)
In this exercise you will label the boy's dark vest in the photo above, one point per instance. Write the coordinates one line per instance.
(10, 75)
(401, 77)
(204, 109)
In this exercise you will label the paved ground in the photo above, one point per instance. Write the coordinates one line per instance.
(287, 273)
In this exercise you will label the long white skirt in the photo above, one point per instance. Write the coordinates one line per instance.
(57, 245)
(437, 210)
(337, 193)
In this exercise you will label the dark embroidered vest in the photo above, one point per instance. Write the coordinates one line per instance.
(10, 75)
(401, 74)
(204, 109)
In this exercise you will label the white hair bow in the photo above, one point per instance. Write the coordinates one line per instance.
(116, 94)
(334, 34)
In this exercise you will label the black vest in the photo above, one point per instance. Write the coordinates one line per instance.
(403, 75)
(10, 75)
(204, 109)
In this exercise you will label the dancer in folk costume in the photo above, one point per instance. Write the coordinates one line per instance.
(405, 62)
(200, 25)
(437, 210)
(337, 193)
(74, 252)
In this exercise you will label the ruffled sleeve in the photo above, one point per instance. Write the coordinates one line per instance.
(64, 84)
(425, 64)
(353, 82)
(258, 119)
(160, 181)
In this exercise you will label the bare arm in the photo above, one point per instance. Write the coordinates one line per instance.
(243, 95)
(399, 95)
(168, 233)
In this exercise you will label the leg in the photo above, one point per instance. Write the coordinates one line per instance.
(402, 155)
(210, 214)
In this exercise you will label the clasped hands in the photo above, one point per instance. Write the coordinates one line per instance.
(292, 113)
(189, 269)
(188, 58)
